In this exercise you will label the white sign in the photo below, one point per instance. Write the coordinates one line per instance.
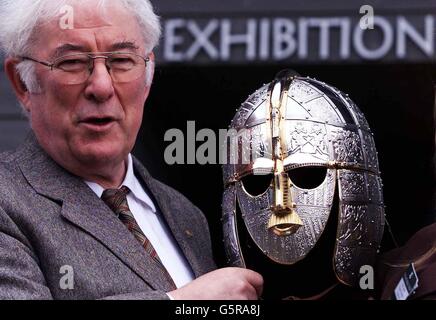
(300, 39)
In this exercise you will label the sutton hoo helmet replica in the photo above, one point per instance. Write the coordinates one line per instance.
(301, 157)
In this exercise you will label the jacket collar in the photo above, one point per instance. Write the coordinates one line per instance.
(175, 217)
(82, 208)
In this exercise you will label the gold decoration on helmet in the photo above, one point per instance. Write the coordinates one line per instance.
(284, 219)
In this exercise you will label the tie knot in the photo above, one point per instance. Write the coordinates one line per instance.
(116, 199)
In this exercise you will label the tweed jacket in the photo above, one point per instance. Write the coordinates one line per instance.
(58, 240)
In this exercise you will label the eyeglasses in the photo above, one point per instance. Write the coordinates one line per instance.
(76, 68)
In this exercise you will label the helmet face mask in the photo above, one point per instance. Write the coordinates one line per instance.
(300, 143)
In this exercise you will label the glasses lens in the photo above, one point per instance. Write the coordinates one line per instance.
(125, 67)
(72, 69)
(75, 69)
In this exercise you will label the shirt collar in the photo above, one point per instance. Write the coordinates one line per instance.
(131, 182)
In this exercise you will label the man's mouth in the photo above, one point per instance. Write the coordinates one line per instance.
(98, 123)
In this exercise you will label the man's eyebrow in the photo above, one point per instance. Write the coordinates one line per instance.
(61, 50)
(68, 47)
(124, 45)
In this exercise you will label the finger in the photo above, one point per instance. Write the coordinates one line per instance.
(254, 294)
(256, 280)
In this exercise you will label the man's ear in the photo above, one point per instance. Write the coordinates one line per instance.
(18, 85)
(152, 58)
(150, 75)
(152, 65)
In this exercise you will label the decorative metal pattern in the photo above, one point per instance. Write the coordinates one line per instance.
(233, 253)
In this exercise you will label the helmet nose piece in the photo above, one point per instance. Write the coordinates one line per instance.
(284, 219)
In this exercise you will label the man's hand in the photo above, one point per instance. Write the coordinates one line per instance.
(222, 284)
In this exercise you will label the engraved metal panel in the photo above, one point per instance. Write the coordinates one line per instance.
(231, 242)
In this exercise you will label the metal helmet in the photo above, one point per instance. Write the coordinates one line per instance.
(281, 133)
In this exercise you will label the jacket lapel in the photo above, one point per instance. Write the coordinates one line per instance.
(174, 219)
(82, 207)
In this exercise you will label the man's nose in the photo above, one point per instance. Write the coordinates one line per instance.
(99, 85)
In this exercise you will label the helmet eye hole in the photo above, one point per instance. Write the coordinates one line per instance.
(256, 185)
(307, 177)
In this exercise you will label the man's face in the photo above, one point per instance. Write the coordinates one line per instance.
(93, 124)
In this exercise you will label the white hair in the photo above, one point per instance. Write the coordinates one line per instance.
(19, 19)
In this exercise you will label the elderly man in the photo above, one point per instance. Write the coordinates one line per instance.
(80, 218)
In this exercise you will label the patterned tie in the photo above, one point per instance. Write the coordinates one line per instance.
(116, 199)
